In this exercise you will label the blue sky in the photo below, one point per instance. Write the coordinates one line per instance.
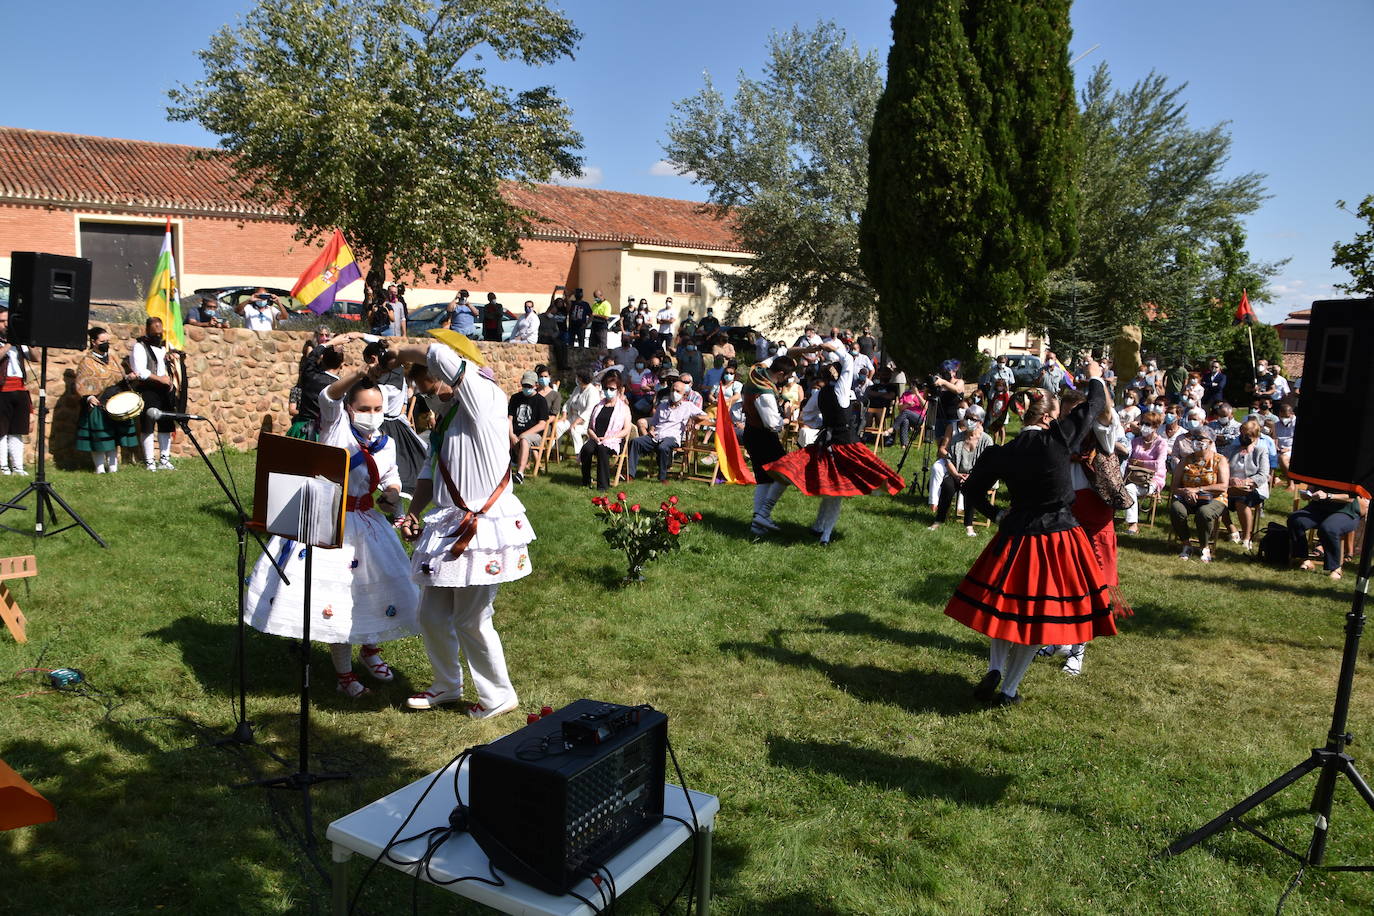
(1290, 78)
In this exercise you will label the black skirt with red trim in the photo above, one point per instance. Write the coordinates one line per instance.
(836, 470)
(1036, 589)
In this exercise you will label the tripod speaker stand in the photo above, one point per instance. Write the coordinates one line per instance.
(47, 500)
(1330, 761)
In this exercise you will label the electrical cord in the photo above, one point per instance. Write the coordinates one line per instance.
(694, 827)
(1292, 886)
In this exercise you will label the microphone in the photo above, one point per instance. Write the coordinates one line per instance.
(154, 414)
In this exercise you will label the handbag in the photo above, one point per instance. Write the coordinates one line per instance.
(1104, 473)
(1144, 478)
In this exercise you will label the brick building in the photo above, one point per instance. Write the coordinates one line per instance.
(109, 199)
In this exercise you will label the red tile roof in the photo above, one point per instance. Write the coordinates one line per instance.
(74, 170)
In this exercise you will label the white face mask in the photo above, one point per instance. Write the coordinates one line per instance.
(610, 393)
(675, 396)
(959, 414)
(368, 422)
(436, 403)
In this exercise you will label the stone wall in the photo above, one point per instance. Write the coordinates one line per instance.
(241, 380)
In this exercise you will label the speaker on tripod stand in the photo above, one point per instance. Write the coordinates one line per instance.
(50, 306)
(1333, 450)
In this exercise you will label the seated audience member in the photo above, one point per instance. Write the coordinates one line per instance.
(692, 395)
(1284, 426)
(712, 376)
(1225, 429)
(1194, 391)
(728, 383)
(791, 397)
(965, 449)
(1333, 515)
(912, 407)
(576, 409)
(1200, 484)
(672, 419)
(1195, 431)
(1129, 411)
(1171, 431)
(527, 416)
(720, 345)
(608, 422)
(1249, 472)
(549, 389)
(1145, 468)
(688, 357)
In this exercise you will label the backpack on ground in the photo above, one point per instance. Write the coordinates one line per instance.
(1274, 545)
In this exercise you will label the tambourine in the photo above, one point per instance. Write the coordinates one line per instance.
(125, 405)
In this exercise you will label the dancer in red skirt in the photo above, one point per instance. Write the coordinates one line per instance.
(1096, 517)
(762, 439)
(1038, 581)
(836, 465)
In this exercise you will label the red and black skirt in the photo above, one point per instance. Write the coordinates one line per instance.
(1036, 589)
(836, 470)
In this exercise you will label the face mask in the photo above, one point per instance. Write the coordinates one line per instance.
(1192, 425)
(1148, 432)
(527, 389)
(959, 414)
(368, 422)
(1130, 402)
(103, 348)
(544, 380)
(155, 339)
(675, 396)
(690, 347)
(436, 403)
(610, 393)
(1141, 373)
(639, 366)
(1049, 362)
(729, 376)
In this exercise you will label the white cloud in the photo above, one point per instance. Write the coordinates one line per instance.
(1294, 293)
(665, 169)
(591, 176)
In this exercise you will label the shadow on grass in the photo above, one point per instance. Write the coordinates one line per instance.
(935, 589)
(1157, 620)
(1328, 590)
(917, 778)
(914, 690)
(854, 623)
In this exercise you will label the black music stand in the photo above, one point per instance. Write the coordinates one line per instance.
(1331, 760)
(280, 454)
(45, 494)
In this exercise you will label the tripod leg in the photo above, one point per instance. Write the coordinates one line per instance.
(1231, 815)
(52, 494)
(1358, 782)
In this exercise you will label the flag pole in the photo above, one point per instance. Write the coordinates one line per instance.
(1250, 334)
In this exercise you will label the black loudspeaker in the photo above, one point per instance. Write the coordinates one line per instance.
(1333, 443)
(50, 300)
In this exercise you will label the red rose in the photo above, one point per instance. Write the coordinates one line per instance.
(620, 496)
(663, 506)
(635, 507)
(674, 526)
(696, 516)
(673, 500)
(617, 508)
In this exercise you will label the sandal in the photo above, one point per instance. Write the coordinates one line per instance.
(371, 657)
(350, 686)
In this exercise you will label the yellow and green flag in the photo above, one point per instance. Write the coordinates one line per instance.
(164, 298)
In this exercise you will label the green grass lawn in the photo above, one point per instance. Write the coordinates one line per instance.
(821, 693)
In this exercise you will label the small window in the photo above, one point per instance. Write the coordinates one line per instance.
(1333, 370)
(686, 283)
(660, 281)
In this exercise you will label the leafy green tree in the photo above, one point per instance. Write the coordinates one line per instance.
(785, 161)
(971, 194)
(1235, 356)
(1357, 256)
(1154, 197)
(376, 117)
(1072, 319)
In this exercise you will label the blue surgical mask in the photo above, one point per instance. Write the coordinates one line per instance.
(527, 389)
(1192, 425)
(729, 377)
(609, 393)
(544, 380)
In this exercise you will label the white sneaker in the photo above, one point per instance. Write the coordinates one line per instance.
(478, 711)
(5, 471)
(968, 529)
(166, 465)
(1246, 545)
(19, 472)
(149, 466)
(1206, 555)
(100, 469)
(1235, 537)
(1073, 665)
(934, 527)
(431, 698)
(1184, 554)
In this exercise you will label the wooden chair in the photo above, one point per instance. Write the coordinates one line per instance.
(622, 458)
(700, 443)
(875, 426)
(547, 451)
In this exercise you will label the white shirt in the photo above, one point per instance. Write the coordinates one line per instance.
(665, 319)
(811, 410)
(767, 406)
(336, 429)
(526, 329)
(259, 319)
(138, 359)
(1281, 387)
(581, 402)
(14, 368)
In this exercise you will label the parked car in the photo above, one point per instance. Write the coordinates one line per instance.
(1025, 366)
(231, 296)
(4, 293)
(342, 309)
(741, 335)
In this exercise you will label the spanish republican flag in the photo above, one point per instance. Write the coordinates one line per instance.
(334, 269)
(1244, 313)
(164, 299)
(729, 458)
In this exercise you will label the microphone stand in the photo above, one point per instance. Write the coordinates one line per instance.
(243, 730)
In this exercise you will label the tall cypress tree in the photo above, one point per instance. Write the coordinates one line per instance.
(970, 175)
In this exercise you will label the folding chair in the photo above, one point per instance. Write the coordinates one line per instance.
(547, 451)
(875, 426)
(700, 442)
(621, 459)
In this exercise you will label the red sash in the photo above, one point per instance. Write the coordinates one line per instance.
(467, 525)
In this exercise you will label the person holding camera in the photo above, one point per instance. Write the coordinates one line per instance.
(261, 312)
(204, 315)
(461, 314)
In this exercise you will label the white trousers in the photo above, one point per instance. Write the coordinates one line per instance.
(806, 435)
(578, 435)
(1133, 511)
(937, 477)
(14, 452)
(458, 620)
(1012, 659)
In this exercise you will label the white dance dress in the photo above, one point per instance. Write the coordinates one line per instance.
(469, 447)
(361, 592)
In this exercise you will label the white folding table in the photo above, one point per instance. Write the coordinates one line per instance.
(366, 831)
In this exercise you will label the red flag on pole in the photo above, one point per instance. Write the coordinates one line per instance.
(1245, 314)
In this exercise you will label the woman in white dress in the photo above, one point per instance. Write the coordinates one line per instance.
(361, 592)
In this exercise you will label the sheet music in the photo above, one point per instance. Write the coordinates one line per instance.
(304, 509)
